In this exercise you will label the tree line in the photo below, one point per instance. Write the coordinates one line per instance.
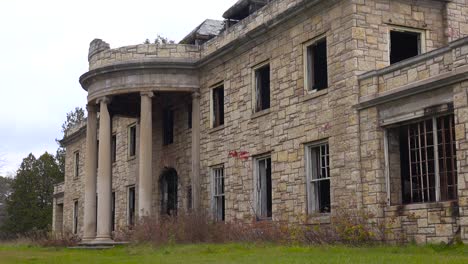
(26, 200)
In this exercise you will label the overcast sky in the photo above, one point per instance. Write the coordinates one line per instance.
(44, 48)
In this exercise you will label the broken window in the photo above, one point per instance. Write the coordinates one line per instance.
(76, 170)
(132, 141)
(131, 206)
(189, 198)
(113, 212)
(318, 177)
(75, 217)
(114, 148)
(218, 106)
(262, 88)
(169, 186)
(218, 194)
(317, 66)
(404, 44)
(263, 188)
(168, 126)
(424, 152)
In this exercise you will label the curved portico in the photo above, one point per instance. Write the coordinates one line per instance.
(124, 81)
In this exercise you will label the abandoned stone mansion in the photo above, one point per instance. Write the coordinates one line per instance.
(285, 110)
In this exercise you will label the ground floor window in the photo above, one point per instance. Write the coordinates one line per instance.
(75, 217)
(131, 206)
(423, 153)
(169, 185)
(263, 190)
(113, 212)
(318, 178)
(218, 193)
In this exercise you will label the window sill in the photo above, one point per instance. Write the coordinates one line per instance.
(130, 158)
(260, 113)
(314, 94)
(416, 206)
(216, 129)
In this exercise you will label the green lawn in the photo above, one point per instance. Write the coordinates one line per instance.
(237, 253)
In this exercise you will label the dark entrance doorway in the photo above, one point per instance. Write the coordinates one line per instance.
(168, 185)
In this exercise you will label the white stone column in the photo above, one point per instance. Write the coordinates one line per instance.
(196, 151)
(145, 182)
(90, 175)
(104, 174)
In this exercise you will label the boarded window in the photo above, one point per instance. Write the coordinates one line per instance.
(317, 66)
(76, 169)
(218, 194)
(131, 206)
(132, 141)
(168, 126)
(218, 106)
(262, 88)
(427, 160)
(318, 176)
(404, 45)
(263, 188)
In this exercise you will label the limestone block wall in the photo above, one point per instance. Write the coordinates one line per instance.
(294, 119)
(143, 51)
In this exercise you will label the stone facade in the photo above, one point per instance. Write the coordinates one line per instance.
(365, 97)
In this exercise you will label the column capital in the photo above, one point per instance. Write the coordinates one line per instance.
(196, 95)
(149, 94)
(104, 99)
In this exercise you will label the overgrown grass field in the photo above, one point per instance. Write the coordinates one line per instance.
(236, 253)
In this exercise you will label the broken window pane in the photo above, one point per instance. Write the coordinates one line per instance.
(319, 177)
(264, 191)
(131, 206)
(317, 66)
(75, 217)
(404, 45)
(262, 88)
(218, 106)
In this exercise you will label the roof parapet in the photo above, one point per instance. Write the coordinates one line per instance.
(96, 46)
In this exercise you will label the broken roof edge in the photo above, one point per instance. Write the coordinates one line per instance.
(241, 4)
(208, 28)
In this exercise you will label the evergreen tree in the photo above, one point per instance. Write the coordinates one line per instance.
(29, 207)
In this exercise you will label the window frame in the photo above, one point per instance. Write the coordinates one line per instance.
(257, 197)
(130, 221)
(132, 148)
(310, 77)
(215, 195)
(422, 40)
(313, 203)
(255, 69)
(114, 148)
(437, 170)
(76, 164)
(213, 120)
(75, 216)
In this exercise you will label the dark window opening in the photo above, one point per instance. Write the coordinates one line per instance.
(218, 194)
(189, 116)
(114, 148)
(262, 88)
(168, 127)
(113, 212)
(218, 106)
(317, 65)
(75, 217)
(404, 45)
(264, 190)
(132, 141)
(168, 183)
(189, 198)
(131, 206)
(428, 160)
(319, 176)
(77, 164)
